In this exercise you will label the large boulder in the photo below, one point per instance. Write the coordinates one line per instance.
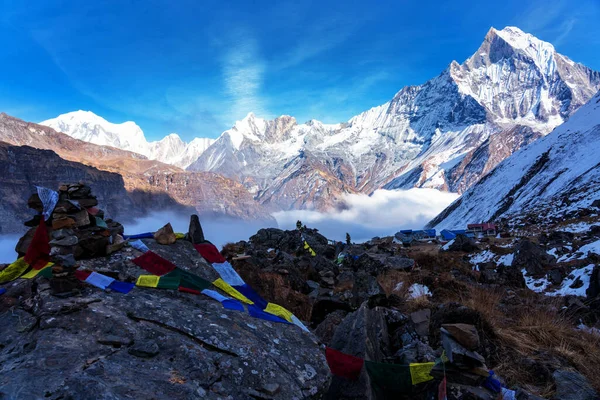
(463, 243)
(532, 257)
(363, 334)
(150, 343)
(571, 385)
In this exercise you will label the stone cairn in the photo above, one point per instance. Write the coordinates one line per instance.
(77, 230)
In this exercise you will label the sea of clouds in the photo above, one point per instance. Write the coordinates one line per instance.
(381, 214)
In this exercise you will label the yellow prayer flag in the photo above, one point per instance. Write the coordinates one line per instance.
(179, 235)
(148, 280)
(419, 372)
(13, 271)
(34, 272)
(279, 311)
(227, 288)
(310, 250)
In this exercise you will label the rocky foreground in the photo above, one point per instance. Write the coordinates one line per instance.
(524, 308)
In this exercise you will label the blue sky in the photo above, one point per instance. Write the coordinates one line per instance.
(194, 67)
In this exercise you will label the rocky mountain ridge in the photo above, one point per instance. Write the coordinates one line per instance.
(149, 184)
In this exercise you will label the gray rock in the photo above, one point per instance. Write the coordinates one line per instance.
(145, 349)
(195, 233)
(463, 243)
(421, 321)
(464, 334)
(206, 351)
(532, 257)
(66, 241)
(364, 334)
(458, 354)
(571, 385)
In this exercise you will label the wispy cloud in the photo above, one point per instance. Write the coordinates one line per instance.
(243, 74)
(565, 29)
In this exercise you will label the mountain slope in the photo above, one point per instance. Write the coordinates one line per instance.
(554, 175)
(89, 127)
(444, 134)
(151, 185)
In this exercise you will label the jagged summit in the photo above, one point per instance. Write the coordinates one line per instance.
(445, 133)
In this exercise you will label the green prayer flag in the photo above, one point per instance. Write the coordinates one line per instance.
(389, 378)
(170, 280)
(191, 281)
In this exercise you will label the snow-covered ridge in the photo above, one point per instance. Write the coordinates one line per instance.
(443, 134)
(556, 174)
(89, 127)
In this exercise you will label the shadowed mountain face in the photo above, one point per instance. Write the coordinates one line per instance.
(23, 167)
(128, 180)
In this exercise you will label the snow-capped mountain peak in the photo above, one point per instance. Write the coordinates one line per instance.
(445, 133)
(89, 127)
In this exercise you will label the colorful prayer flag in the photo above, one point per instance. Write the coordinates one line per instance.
(179, 236)
(147, 280)
(170, 280)
(279, 311)
(99, 280)
(139, 245)
(310, 250)
(258, 313)
(389, 378)
(121, 287)
(228, 274)
(227, 288)
(2, 291)
(209, 252)
(420, 372)
(14, 270)
(191, 281)
(82, 275)
(343, 365)
(153, 263)
(32, 273)
(49, 199)
(442, 390)
(224, 300)
(38, 252)
(252, 295)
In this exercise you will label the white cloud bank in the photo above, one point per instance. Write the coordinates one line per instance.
(382, 214)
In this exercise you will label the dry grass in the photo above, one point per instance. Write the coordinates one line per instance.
(390, 279)
(486, 301)
(539, 330)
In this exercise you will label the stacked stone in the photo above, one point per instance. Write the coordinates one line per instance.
(76, 227)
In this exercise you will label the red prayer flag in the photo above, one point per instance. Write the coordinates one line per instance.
(442, 390)
(38, 252)
(188, 290)
(82, 275)
(154, 263)
(343, 365)
(210, 253)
